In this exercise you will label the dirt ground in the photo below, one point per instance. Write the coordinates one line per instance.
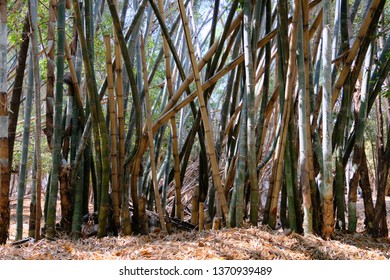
(228, 244)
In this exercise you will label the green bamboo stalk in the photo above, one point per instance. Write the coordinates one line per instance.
(79, 172)
(266, 81)
(242, 154)
(289, 189)
(57, 133)
(25, 143)
(94, 104)
(33, 202)
(4, 167)
(37, 96)
(251, 133)
(100, 129)
(50, 74)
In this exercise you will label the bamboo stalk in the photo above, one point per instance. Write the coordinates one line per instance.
(51, 214)
(113, 133)
(353, 50)
(175, 145)
(279, 155)
(4, 147)
(201, 216)
(150, 139)
(327, 188)
(25, 144)
(121, 125)
(205, 118)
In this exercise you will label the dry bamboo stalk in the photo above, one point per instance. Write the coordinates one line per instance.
(120, 112)
(202, 62)
(150, 138)
(217, 223)
(195, 205)
(76, 88)
(268, 114)
(172, 107)
(317, 23)
(352, 52)
(204, 115)
(281, 144)
(233, 118)
(201, 216)
(113, 134)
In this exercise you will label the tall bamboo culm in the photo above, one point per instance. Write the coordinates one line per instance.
(57, 133)
(4, 167)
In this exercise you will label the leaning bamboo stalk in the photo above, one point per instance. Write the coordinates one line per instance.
(113, 133)
(76, 88)
(202, 62)
(171, 108)
(352, 52)
(174, 108)
(203, 110)
(172, 105)
(150, 138)
(279, 153)
(50, 51)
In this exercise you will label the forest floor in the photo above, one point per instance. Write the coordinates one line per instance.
(228, 244)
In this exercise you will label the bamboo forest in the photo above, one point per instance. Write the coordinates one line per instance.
(143, 120)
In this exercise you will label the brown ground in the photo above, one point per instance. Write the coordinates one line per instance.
(246, 243)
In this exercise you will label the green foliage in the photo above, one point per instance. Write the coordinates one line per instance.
(15, 22)
(386, 91)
